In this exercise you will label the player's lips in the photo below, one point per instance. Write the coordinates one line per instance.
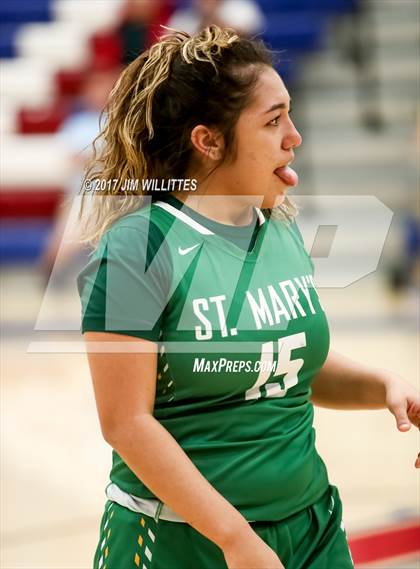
(287, 175)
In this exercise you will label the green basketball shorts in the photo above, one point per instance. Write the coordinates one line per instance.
(314, 538)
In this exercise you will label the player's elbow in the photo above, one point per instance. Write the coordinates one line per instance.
(121, 431)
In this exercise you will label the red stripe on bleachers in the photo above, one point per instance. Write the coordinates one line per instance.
(18, 203)
(41, 120)
(386, 543)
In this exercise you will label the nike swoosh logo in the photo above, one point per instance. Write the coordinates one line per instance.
(182, 251)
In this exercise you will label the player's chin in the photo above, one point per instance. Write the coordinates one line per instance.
(275, 196)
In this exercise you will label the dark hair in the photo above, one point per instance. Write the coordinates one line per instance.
(179, 82)
(212, 93)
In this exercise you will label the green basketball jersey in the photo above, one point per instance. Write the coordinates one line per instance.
(241, 336)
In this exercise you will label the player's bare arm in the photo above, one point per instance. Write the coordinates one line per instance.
(343, 383)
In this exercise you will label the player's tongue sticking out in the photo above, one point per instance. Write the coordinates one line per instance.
(287, 175)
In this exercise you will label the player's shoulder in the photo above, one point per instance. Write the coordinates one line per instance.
(129, 245)
(146, 225)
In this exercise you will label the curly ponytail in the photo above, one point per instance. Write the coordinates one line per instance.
(155, 104)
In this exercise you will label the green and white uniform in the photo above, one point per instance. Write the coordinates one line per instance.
(241, 333)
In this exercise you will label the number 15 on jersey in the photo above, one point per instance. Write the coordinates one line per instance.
(285, 365)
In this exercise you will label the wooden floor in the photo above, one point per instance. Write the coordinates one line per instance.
(55, 464)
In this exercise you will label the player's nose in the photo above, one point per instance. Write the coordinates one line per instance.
(292, 138)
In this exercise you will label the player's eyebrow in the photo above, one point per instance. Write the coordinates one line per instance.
(277, 106)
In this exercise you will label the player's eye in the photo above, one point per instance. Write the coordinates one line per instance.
(275, 121)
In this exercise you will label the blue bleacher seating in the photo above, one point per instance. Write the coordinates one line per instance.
(7, 39)
(300, 31)
(14, 13)
(23, 240)
(21, 11)
(284, 6)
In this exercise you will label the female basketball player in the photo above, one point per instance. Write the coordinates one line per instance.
(203, 326)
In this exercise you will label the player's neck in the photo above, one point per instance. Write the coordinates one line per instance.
(214, 201)
(230, 210)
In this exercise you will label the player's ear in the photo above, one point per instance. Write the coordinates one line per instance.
(208, 142)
